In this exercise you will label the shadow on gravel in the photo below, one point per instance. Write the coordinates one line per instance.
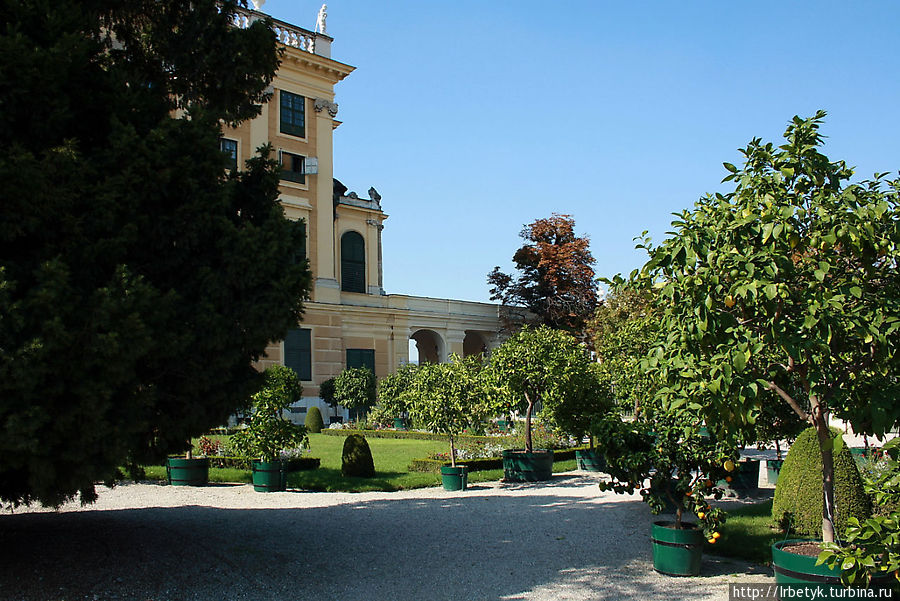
(474, 545)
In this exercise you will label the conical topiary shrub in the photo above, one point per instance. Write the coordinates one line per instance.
(314, 422)
(798, 494)
(356, 458)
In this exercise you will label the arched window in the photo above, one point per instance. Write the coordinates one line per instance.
(353, 263)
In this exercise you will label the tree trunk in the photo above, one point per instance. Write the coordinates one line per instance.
(452, 452)
(777, 450)
(820, 422)
(528, 446)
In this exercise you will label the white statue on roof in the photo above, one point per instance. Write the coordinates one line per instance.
(320, 19)
(258, 4)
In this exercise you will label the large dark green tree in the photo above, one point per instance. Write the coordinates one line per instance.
(139, 279)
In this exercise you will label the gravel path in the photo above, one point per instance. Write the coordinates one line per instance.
(561, 540)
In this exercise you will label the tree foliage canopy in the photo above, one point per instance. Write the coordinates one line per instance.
(269, 432)
(139, 279)
(354, 388)
(556, 277)
(549, 368)
(449, 397)
(786, 289)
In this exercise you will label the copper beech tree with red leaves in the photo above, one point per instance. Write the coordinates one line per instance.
(555, 279)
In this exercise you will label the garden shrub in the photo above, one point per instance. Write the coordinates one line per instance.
(356, 457)
(314, 422)
(798, 494)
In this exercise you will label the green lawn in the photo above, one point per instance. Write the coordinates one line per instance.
(748, 534)
(391, 457)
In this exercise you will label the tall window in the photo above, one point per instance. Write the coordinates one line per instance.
(292, 167)
(230, 148)
(361, 357)
(353, 263)
(298, 352)
(293, 114)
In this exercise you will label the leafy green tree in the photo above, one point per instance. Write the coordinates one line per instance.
(555, 279)
(789, 283)
(354, 388)
(449, 397)
(623, 330)
(547, 367)
(139, 279)
(663, 455)
(393, 390)
(326, 393)
(269, 432)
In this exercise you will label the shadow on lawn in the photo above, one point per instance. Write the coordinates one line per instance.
(471, 545)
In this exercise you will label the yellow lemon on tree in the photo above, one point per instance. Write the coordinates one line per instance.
(701, 515)
(716, 535)
(728, 465)
(711, 541)
(729, 301)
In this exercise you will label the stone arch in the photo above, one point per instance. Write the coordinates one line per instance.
(430, 345)
(474, 343)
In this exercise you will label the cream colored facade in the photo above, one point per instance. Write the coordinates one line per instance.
(342, 323)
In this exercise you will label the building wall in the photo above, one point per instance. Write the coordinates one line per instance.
(341, 320)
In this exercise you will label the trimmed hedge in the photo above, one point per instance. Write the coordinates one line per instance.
(314, 422)
(433, 466)
(798, 493)
(356, 457)
(299, 464)
(407, 435)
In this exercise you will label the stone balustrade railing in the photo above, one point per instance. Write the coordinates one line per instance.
(289, 35)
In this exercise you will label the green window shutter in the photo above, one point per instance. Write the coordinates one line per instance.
(293, 114)
(353, 263)
(298, 352)
(360, 357)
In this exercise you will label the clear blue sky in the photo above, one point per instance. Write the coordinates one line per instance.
(474, 118)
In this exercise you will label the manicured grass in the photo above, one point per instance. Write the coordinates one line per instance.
(748, 534)
(391, 457)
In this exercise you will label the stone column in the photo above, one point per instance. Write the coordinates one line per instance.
(327, 288)
(375, 276)
(454, 340)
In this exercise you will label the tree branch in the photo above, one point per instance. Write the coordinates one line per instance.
(790, 401)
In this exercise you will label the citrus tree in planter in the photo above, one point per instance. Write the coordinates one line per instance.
(790, 282)
(354, 389)
(268, 432)
(449, 398)
(548, 368)
(665, 457)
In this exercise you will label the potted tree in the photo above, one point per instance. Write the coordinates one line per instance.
(448, 398)
(269, 432)
(788, 283)
(354, 389)
(667, 458)
(326, 393)
(538, 367)
(392, 394)
(187, 470)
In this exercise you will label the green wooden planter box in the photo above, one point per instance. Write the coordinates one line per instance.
(677, 552)
(187, 472)
(799, 574)
(269, 476)
(589, 460)
(521, 466)
(455, 478)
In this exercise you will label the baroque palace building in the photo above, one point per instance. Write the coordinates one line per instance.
(349, 320)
